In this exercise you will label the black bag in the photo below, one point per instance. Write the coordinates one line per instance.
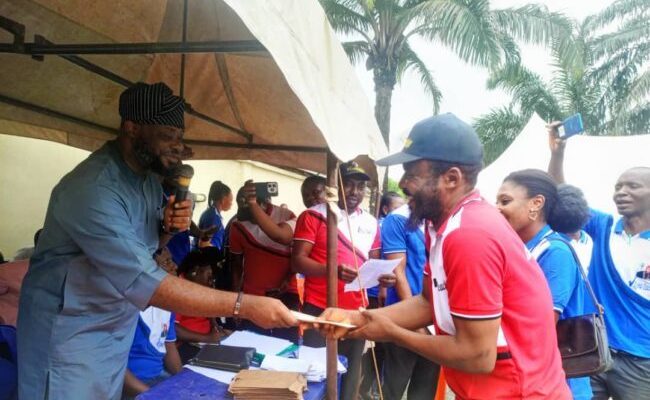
(227, 358)
(582, 340)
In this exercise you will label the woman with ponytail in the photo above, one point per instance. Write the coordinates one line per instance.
(529, 200)
(219, 200)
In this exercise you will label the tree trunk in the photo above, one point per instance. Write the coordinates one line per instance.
(383, 96)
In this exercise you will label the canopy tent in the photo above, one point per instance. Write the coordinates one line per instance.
(264, 81)
(592, 163)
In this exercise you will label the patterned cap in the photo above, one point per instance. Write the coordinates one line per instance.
(153, 104)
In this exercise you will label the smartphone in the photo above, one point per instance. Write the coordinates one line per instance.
(264, 190)
(571, 126)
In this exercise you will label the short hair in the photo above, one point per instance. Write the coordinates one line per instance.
(312, 180)
(386, 199)
(470, 171)
(218, 190)
(571, 212)
(203, 257)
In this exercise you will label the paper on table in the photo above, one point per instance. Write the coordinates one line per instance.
(276, 363)
(318, 355)
(263, 344)
(310, 319)
(370, 272)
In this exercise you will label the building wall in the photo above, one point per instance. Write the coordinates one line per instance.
(30, 168)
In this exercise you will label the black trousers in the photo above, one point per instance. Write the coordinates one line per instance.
(352, 349)
(403, 367)
(368, 389)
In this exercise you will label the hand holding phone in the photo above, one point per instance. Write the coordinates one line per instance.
(571, 126)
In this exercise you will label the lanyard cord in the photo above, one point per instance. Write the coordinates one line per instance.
(364, 298)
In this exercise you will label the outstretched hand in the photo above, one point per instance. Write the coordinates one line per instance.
(377, 327)
(555, 143)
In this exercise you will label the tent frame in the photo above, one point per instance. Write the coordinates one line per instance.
(69, 52)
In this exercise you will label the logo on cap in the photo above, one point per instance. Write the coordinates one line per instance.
(408, 143)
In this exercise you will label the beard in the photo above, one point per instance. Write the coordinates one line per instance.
(148, 159)
(425, 205)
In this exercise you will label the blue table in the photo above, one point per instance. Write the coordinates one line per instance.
(189, 385)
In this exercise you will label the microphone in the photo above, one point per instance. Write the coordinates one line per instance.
(181, 175)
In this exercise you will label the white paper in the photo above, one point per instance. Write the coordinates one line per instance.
(277, 363)
(317, 355)
(310, 319)
(370, 272)
(263, 344)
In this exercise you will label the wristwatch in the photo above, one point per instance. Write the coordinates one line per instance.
(235, 312)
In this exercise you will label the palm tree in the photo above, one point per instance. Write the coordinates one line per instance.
(603, 76)
(475, 32)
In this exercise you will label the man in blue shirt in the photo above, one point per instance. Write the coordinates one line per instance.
(404, 239)
(620, 276)
(93, 267)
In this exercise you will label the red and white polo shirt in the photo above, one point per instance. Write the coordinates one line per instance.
(312, 227)
(478, 268)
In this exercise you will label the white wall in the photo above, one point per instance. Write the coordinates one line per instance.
(30, 168)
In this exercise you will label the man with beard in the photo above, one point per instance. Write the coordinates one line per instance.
(620, 276)
(495, 329)
(309, 257)
(93, 267)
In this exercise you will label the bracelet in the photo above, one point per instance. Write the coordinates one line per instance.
(235, 312)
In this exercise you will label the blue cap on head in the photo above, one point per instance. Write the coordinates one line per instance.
(441, 138)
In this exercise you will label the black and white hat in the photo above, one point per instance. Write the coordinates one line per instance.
(153, 104)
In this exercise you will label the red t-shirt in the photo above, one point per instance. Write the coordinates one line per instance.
(478, 268)
(266, 263)
(312, 227)
(195, 324)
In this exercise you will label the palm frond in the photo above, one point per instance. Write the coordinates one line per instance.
(497, 130)
(357, 51)
(631, 33)
(529, 91)
(464, 26)
(618, 11)
(533, 23)
(346, 16)
(411, 61)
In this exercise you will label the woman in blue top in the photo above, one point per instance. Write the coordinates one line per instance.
(219, 200)
(529, 199)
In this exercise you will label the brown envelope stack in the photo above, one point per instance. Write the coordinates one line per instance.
(267, 385)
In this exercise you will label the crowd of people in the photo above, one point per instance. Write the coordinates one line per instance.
(122, 283)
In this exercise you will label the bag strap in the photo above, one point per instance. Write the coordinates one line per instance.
(599, 307)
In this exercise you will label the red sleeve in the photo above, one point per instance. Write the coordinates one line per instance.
(235, 239)
(307, 227)
(376, 244)
(474, 265)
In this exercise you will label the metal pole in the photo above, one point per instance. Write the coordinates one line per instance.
(71, 118)
(332, 279)
(184, 39)
(230, 46)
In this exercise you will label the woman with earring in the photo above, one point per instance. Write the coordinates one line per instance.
(528, 199)
(219, 200)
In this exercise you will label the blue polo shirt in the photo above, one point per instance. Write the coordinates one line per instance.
(155, 328)
(627, 310)
(398, 237)
(211, 217)
(568, 289)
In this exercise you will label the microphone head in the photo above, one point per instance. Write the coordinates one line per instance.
(182, 174)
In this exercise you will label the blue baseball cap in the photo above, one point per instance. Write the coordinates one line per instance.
(441, 138)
